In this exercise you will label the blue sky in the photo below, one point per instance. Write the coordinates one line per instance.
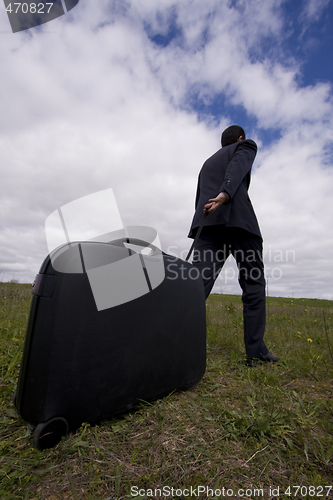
(312, 41)
(308, 42)
(134, 96)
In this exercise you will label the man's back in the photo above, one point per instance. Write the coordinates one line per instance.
(228, 170)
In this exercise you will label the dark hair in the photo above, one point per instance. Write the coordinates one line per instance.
(231, 134)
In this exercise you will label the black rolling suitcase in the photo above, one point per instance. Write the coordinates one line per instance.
(85, 360)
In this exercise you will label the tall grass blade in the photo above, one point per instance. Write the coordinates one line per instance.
(329, 345)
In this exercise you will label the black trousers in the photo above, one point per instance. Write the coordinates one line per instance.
(214, 246)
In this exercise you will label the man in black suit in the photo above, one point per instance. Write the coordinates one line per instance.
(232, 227)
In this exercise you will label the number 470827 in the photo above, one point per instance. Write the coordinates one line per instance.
(32, 8)
(312, 491)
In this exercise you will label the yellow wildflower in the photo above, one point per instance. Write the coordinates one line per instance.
(309, 340)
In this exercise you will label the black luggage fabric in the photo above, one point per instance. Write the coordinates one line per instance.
(81, 364)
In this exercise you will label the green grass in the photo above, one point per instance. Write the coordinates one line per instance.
(240, 427)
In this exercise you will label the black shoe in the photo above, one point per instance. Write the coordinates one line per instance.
(261, 359)
(270, 357)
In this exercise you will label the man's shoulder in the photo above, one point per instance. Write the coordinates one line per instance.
(247, 143)
(227, 152)
(247, 148)
(215, 156)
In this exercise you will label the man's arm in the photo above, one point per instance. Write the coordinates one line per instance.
(239, 166)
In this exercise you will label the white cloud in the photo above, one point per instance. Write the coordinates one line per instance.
(313, 9)
(96, 104)
(291, 193)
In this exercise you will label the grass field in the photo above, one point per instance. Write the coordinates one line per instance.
(241, 432)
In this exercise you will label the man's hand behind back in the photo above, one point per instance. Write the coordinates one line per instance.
(214, 203)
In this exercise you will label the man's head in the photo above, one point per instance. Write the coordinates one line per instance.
(232, 134)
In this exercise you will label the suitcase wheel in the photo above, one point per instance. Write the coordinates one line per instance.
(49, 434)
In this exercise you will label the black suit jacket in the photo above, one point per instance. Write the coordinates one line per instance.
(229, 171)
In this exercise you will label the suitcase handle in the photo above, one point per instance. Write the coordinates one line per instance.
(197, 235)
(135, 241)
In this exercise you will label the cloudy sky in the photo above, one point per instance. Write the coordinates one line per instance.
(133, 95)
